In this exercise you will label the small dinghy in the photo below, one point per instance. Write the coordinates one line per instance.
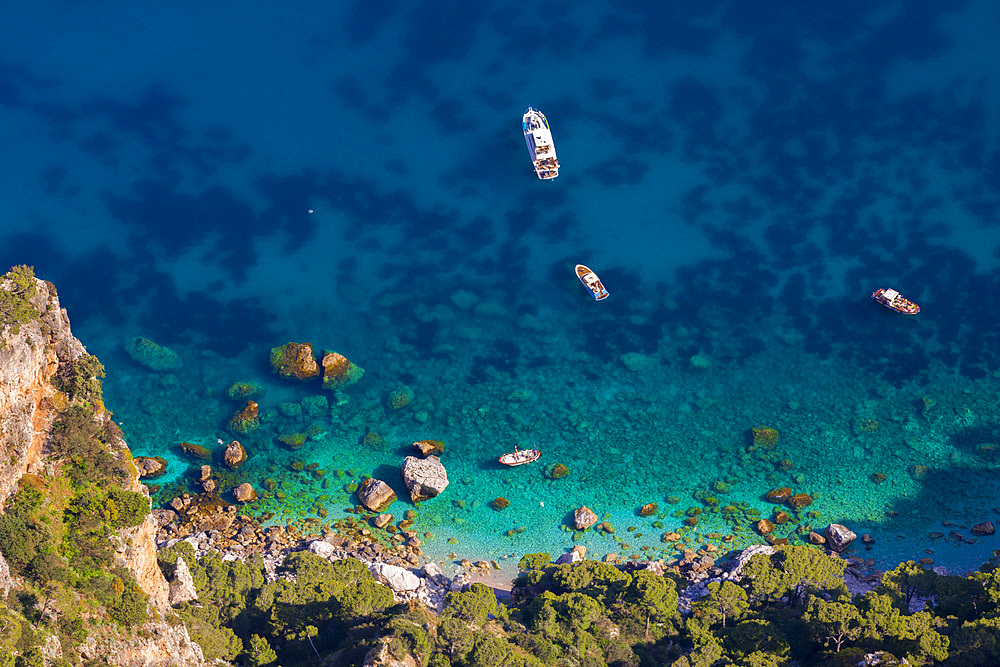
(591, 282)
(519, 457)
(893, 300)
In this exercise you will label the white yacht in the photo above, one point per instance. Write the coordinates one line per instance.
(538, 136)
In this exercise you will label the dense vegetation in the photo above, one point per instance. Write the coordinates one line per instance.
(58, 532)
(791, 608)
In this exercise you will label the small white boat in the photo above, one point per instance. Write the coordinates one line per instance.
(519, 457)
(538, 136)
(591, 282)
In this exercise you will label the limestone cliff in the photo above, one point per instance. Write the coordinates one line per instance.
(29, 363)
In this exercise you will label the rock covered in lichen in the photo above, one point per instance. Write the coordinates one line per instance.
(246, 419)
(294, 361)
(428, 447)
(338, 372)
(399, 398)
(152, 355)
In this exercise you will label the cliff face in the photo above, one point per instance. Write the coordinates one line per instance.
(29, 361)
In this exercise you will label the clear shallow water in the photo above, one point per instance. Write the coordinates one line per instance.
(741, 180)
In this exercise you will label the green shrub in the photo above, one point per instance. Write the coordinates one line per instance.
(128, 608)
(126, 509)
(473, 605)
(17, 287)
(81, 379)
(77, 437)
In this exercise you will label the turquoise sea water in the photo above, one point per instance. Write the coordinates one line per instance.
(226, 180)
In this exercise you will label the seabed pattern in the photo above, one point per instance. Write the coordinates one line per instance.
(742, 178)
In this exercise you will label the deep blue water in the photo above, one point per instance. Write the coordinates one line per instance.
(742, 176)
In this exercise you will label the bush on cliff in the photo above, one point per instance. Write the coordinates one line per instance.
(17, 287)
(79, 439)
(81, 379)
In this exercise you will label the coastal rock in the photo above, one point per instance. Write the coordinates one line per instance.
(839, 537)
(244, 493)
(778, 495)
(424, 478)
(338, 372)
(382, 520)
(246, 419)
(584, 518)
(400, 580)
(649, 509)
(234, 455)
(800, 500)
(182, 587)
(205, 472)
(815, 538)
(428, 447)
(294, 361)
(765, 527)
(578, 553)
(323, 549)
(163, 516)
(983, 529)
(150, 467)
(376, 495)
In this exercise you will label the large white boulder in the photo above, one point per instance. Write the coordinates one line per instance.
(424, 478)
(399, 579)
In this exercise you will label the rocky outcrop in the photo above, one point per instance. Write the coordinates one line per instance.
(182, 587)
(29, 361)
(839, 537)
(155, 644)
(424, 478)
(244, 493)
(399, 579)
(150, 467)
(376, 495)
(234, 456)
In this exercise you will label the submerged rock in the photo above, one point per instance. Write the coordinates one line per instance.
(800, 500)
(424, 478)
(195, 451)
(983, 529)
(151, 355)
